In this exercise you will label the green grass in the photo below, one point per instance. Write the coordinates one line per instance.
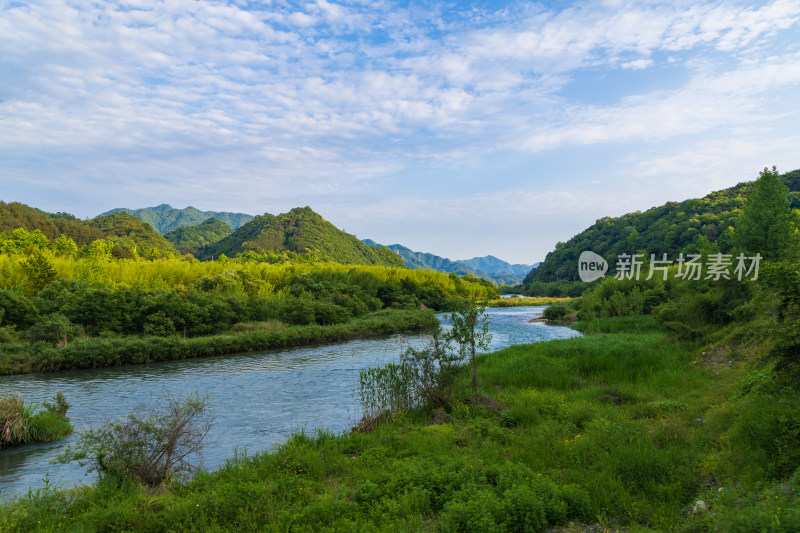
(620, 429)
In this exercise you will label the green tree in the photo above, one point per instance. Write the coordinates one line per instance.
(766, 224)
(65, 246)
(39, 271)
(470, 330)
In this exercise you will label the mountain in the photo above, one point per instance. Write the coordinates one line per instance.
(671, 228)
(300, 230)
(497, 267)
(165, 218)
(189, 239)
(129, 233)
(488, 267)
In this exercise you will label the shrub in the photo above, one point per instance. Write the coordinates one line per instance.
(55, 329)
(149, 446)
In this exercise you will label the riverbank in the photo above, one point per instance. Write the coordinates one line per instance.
(628, 429)
(525, 301)
(100, 352)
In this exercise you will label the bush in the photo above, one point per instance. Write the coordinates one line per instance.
(55, 329)
(149, 446)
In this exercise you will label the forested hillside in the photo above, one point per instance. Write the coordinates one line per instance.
(16, 215)
(131, 234)
(164, 218)
(121, 235)
(671, 228)
(189, 239)
(300, 231)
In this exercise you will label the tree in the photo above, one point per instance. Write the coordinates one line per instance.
(39, 271)
(470, 330)
(766, 225)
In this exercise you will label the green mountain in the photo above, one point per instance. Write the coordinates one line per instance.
(131, 233)
(164, 218)
(671, 228)
(189, 239)
(301, 230)
(488, 267)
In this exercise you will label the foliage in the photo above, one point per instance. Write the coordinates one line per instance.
(39, 271)
(431, 370)
(766, 224)
(150, 446)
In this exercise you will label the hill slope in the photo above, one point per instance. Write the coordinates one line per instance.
(16, 215)
(189, 239)
(165, 218)
(671, 228)
(132, 233)
(300, 230)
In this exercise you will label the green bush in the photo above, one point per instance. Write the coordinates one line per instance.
(54, 329)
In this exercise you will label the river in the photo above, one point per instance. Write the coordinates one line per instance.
(257, 400)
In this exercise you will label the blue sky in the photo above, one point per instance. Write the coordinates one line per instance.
(458, 128)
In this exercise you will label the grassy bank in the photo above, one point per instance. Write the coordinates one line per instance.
(626, 428)
(110, 351)
(522, 301)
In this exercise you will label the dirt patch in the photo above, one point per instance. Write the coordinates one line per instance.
(440, 417)
(489, 403)
(720, 356)
(367, 423)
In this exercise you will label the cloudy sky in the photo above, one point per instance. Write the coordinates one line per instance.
(462, 128)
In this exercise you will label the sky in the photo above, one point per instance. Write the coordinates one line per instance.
(460, 128)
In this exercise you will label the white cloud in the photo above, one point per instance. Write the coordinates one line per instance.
(324, 97)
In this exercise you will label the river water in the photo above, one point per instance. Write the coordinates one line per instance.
(257, 400)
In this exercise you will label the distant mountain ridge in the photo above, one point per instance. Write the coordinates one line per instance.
(164, 218)
(488, 267)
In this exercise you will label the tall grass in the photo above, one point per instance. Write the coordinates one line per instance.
(21, 424)
(15, 417)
